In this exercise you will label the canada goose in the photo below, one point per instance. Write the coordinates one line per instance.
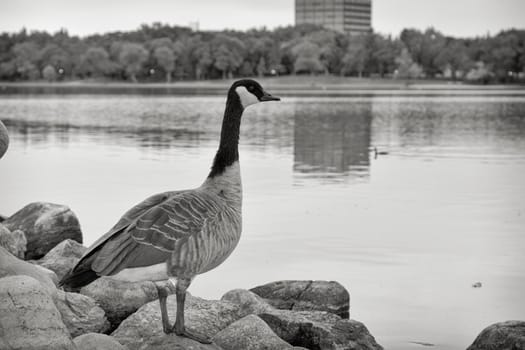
(178, 235)
(4, 139)
(379, 153)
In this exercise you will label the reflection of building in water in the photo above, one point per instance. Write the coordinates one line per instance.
(335, 142)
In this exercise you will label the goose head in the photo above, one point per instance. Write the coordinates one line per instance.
(250, 92)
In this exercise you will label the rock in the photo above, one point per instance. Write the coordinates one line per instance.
(15, 242)
(320, 330)
(249, 333)
(503, 335)
(95, 341)
(63, 257)
(45, 225)
(51, 274)
(120, 299)
(306, 295)
(12, 266)
(249, 302)
(207, 317)
(80, 314)
(29, 319)
(4, 139)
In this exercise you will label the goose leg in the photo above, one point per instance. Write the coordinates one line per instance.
(178, 327)
(163, 295)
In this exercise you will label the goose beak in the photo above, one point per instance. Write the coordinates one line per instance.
(267, 97)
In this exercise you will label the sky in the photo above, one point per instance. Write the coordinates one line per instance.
(460, 18)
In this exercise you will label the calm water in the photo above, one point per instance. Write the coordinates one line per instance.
(407, 233)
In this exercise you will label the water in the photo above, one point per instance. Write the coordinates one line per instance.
(407, 232)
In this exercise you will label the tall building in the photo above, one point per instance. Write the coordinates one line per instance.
(345, 16)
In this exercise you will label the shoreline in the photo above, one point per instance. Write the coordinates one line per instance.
(287, 87)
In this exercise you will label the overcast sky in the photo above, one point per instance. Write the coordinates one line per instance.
(83, 17)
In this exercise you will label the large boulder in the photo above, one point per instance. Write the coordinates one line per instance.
(45, 225)
(29, 319)
(249, 333)
(119, 299)
(249, 302)
(509, 335)
(12, 266)
(320, 330)
(95, 341)
(4, 139)
(327, 296)
(63, 257)
(81, 314)
(207, 317)
(15, 242)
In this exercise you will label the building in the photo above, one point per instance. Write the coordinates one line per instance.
(346, 16)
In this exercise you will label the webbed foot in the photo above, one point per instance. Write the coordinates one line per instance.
(192, 335)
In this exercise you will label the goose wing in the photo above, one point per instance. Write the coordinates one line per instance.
(129, 217)
(150, 237)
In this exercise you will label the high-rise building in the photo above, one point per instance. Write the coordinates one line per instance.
(346, 16)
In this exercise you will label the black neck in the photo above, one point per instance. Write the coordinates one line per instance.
(228, 152)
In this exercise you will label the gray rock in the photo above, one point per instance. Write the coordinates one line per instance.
(320, 330)
(249, 333)
(95, 341)
(327, 296)
(45, 225)
(509, 335)
(63, 257)
(249, 302)
(15, 242)
(29, 319)
(80, 314)
(207, 317)
(120, 299)
(12, 266)
(4, 139)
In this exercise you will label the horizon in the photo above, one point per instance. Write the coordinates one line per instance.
(84, 20)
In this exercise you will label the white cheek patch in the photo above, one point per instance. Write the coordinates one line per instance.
(247, 98)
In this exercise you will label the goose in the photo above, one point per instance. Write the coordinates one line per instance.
(178, 235)
(379, 153)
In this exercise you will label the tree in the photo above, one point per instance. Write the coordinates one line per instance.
(357, 55)
(307, 57)
(49, 73)
(261, 67)
(95, 62)
(203, 61)
(229, 54)
(132, 56)
(26, 59)
(55, 56)
(407, 68)
(166, 59)
(454, 57)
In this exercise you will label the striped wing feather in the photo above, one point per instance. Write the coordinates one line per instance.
(149, 236)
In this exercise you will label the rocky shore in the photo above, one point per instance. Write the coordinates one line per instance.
(42, 241)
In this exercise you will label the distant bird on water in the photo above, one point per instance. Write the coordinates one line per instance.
(4, 139)
(178, 235)
(379, 153)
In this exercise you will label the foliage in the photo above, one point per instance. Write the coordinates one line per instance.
(407, 68)
(132, 56)
(162, 52)
(49, 73)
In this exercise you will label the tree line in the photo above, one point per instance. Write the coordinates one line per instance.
(160, 52)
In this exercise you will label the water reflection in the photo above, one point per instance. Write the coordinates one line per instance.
(333, 140)
(42, 133)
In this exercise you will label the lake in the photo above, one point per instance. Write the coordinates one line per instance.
(407, 231)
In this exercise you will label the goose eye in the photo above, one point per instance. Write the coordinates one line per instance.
(250, 88)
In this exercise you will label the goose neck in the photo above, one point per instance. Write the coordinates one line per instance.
(228, 152)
